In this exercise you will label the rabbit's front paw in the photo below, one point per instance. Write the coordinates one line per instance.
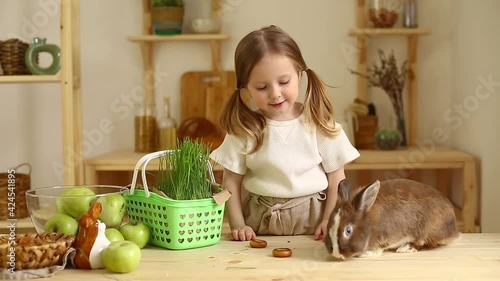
(406, 248)
(372, 253)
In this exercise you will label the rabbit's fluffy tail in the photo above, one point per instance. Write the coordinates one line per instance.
(451, 239)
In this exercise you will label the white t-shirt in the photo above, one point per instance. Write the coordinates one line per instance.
(291, 162)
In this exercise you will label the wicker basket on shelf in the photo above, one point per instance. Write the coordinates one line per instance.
(12, 52)
(34, 250)
(13, 186)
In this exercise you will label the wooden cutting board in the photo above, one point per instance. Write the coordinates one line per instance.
(215, 97)
(194, 87)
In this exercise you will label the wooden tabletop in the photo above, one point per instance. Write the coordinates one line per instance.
(473, 257)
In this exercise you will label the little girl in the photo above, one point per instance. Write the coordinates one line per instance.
(286, 157)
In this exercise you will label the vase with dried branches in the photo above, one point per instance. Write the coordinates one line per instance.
(391, 79)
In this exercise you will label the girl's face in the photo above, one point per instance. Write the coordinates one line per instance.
(274, 87)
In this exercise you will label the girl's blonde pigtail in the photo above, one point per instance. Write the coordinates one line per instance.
(318, 109)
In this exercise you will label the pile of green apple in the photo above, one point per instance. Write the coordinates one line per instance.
(74, 202)
(124, 253)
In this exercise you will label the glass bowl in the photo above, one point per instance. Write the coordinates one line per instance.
(47, 202)
(383, 13)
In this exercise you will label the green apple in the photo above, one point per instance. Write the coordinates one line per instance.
(113, 234)
(121, 256)
(136, 232)
(75, 201)
(113, 210)
(62, 223)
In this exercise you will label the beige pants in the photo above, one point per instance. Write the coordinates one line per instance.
(282, 216)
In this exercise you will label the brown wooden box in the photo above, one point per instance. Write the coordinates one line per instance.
(364, 136)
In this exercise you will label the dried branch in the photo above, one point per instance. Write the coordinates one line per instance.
(392, 80)
(388, 77)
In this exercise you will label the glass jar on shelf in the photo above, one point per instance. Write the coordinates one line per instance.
(382, 13)
(410, 13)
(146, 128)
(167, 128)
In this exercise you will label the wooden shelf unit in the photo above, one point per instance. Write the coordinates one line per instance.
(363, 35)
(126, 160)
(147, 40)
(69, 78)
(442, 159)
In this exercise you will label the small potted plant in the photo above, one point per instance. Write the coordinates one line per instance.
(388, 139)
(167, 16)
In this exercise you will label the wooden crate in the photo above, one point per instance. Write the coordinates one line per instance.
(364, 133)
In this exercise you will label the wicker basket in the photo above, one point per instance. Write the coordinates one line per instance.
(12, 52)
(13, 197)
(34, 250)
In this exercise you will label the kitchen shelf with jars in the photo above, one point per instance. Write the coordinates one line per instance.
(150, 131)
(375, 18)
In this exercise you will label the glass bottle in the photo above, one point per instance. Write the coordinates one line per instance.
(410, 13)
(167, 128)
(146, 130)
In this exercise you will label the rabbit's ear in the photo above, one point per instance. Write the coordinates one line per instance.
(95, 210)
(365, 199)
(344, 190)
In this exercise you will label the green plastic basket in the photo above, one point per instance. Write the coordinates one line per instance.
(174, 224)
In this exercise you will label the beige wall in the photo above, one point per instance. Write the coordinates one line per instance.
(460, 50)
(476, 60)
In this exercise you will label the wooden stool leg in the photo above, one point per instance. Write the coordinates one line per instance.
(364, 177)
(469, 197)
(90, 174)
(443, 182)
(415, 175)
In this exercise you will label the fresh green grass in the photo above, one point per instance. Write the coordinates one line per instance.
(183, 172)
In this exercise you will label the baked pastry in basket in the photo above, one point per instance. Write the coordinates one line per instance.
(32, 250)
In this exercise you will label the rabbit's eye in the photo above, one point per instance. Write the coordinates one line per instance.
(348, 230)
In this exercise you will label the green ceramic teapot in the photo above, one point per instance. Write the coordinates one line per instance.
(38, 46)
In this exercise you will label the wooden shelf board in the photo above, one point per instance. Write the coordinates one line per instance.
(441, 157)
(415, 156)
(180, 37)
(29, 78)
(388, 31)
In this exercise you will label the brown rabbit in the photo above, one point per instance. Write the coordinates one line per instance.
(395, 214)
(90, 239)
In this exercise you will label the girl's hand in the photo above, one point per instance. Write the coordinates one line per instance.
(244, 233)
(320, 233)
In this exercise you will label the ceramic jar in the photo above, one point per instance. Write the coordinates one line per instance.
(38, 45)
